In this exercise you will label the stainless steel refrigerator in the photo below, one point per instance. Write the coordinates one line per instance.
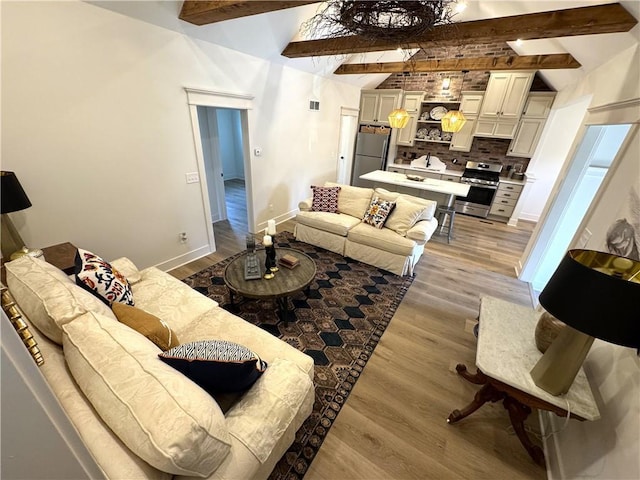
(371, 155)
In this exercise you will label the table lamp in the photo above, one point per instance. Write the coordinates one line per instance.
(13, 198)
(598, 296)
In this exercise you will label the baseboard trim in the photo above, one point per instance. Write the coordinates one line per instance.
(181, 260)
(529, 217)
(279, 219)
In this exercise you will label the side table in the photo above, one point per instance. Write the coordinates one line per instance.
(506, 353)
(61, 255)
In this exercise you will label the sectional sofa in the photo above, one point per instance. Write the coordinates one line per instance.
(140, 417)
(396, 246)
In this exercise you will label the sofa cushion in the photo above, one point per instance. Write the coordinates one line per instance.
(127, 268)
(408, 211)
(100, 278)
(48, 297)
(378, 212)
(146, 324)
(218, 366)
(325, 199)
(383, 239)
(337, 223)
(386, 194)
(352, 200)
(161, 415)
(168, 298)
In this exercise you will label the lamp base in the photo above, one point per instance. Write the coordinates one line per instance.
(557, 368)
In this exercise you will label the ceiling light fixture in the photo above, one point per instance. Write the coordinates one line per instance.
(400, 20)
(399, 118)
(454, 120)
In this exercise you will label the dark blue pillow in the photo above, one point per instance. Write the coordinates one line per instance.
(218, 366)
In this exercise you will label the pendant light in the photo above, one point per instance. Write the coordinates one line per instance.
(454, 120)
(399, 118)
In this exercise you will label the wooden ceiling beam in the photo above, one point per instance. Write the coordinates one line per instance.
(609, 18)
(510, 62)
(201, 12)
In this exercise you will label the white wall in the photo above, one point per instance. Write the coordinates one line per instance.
(96, 125)
(608, 448)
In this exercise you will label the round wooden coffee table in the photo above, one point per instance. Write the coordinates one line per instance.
(285, 283)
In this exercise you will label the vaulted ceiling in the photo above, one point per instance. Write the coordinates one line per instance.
(561, 39)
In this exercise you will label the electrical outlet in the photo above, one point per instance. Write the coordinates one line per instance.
(257, 151)
(183, 237)
(192, 177)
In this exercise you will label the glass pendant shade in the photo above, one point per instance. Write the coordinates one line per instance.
(453, 121)
(398, 118)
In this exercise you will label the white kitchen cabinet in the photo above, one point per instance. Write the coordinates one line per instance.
(469, 106)
(503, 103)
(505, 199)
(531, 124)
(376, 105)
(450, 178)
(396, 170)
(411, 102)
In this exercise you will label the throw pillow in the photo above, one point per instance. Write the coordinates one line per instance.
(325, 199)
(218, 366)
(146, 324)
(100, 278)
(404, 215)
(378, 212)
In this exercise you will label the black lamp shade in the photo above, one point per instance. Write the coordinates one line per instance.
(602, 305)
(13, 196)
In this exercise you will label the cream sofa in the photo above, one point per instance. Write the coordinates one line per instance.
(396, 247)
(140, 418)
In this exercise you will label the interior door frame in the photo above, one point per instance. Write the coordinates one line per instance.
(351, 113)
(243, 102)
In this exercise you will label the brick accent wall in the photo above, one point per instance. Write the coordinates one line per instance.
(482, 149)
(490, 150)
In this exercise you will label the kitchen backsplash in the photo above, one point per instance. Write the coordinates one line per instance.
(490, 150)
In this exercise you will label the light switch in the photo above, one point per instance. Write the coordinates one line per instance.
(192, 177)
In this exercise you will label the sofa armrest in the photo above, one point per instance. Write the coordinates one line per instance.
(265, 412)
(422, 231)
(305, 205)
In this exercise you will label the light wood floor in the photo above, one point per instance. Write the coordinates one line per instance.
(393, 425)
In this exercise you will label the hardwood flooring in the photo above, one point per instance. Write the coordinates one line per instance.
(393, 425)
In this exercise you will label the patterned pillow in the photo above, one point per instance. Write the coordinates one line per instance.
(98, 277)
(378, 212)
(325, 199)
(218, 366)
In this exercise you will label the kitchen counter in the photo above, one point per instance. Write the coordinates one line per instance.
(451, 173)
(449, 189)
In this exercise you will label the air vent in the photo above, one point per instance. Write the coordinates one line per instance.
(313, 105)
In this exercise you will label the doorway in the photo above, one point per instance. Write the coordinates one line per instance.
(346, 144)
(590, 164)
(222, 147)
(220, 123)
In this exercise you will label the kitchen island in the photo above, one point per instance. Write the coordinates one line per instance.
(441, 191)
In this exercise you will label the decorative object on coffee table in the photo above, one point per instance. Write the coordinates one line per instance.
(271, 231)
(269, 257)
(251, 265)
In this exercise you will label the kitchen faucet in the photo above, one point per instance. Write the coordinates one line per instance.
(428, 160)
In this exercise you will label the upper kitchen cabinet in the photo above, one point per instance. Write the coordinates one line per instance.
(411, 102)
(531, 124)
(470, 107)
(376, 105)
(503, 102)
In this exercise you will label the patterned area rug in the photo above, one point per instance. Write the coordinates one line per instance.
(338, 324)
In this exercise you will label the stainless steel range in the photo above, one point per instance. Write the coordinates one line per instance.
(483, 179)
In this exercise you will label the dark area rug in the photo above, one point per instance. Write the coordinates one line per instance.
(338, 324)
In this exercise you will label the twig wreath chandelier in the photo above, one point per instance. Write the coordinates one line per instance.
(398, 21)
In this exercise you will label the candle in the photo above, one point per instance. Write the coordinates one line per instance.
(271, 227)
(266, 241)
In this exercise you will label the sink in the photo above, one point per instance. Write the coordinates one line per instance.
(435, 165)
(436, 170)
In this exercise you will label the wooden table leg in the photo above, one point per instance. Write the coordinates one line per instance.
(518, 413)
(486, 394)
(283, 310)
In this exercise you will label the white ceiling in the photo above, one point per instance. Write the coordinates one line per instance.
(266, 35)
